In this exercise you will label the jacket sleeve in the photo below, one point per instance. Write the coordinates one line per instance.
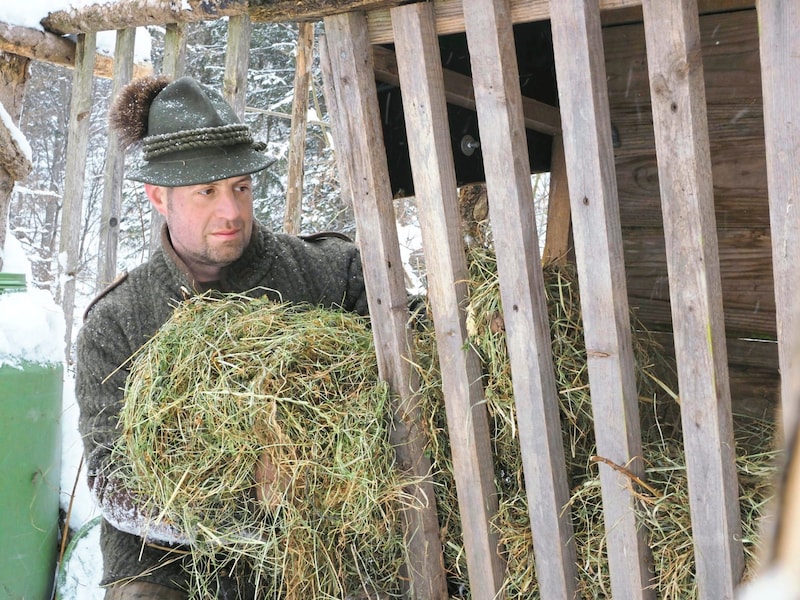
(103, 352)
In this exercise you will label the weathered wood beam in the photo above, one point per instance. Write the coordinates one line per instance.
(583, 97)
(780, 77)
(311, 10)
(54, 49)
(121, 14)
(114, 169)
(459, 90)
(680, 122)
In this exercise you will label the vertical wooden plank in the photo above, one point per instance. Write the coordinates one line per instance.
(173, 65)
(556, 243)
(779, 45)
(80, 109)
(362, 157)
(677, 89)
(237, 60)
(424, 106)
(297, 136)
(508, 183)
(114, 168)
(583, 95)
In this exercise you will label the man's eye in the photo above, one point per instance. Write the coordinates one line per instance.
(205, 192)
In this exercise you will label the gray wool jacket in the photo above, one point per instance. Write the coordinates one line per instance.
(323, 270)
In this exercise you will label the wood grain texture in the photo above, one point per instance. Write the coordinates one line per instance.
(677, 88)
(583, 95)
(780, 61)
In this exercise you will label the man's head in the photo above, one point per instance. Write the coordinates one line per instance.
(197, 158)
(188, 133)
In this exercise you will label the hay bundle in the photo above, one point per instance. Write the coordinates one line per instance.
(665, 512)
(227, 381)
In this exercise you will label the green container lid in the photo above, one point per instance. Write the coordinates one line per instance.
(12, 282)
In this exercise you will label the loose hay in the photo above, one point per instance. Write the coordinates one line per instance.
(663, 510)
(226, 380)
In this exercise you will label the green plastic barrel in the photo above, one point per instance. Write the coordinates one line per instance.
(30, 464)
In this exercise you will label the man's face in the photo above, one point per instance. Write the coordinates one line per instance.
(209, 224)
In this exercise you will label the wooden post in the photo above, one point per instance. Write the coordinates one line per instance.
(424, 106)
(362, 159)
(77, 142)
(173, 66)
(779, 46)
(583, 95)
(114, 168)
(511, 208)
(237, 60)
(297, 137)
(677, 90)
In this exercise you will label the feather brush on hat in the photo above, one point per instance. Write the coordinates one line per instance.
(129, 112)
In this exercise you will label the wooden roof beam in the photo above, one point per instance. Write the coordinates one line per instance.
(121, 14)
(459, 91)
(54, 49)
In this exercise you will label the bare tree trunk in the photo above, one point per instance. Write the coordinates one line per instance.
(13, 76)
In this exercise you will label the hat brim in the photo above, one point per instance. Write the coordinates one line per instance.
(200, 166)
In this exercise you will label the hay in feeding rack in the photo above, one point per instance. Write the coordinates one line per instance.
(228, 379)
(663, 510)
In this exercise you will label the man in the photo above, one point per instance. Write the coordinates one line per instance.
(197, 164)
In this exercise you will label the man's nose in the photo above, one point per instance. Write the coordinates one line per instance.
(227, 205)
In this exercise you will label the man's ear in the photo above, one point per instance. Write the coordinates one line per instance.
(158, 197)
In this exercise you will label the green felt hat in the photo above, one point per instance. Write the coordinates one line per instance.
(193, 137)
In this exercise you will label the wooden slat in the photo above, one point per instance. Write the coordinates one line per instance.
(425, 111)
(678, 97)
(556, 243)
(173, 66)
(237, 61)
(297, 136)
(114, 168)
(459, 91)
(361, 156)
(508, 185)
(578, 49)
(780, 75)
(77, 142)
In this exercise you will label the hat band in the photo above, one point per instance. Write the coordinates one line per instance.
(154, 146)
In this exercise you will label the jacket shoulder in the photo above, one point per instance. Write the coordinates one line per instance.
(121, 278)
